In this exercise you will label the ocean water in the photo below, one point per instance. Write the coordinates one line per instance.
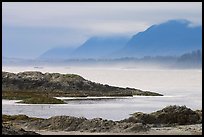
(179, 87)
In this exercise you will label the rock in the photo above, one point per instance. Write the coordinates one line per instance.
(63, 85)
(169, 115)
(140, 117)
(67, 123)
(138, 127)
(10, 130)
(199, 112)
(176, 114)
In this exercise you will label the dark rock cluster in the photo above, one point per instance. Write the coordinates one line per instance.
(67, 123)
(11, 130)
(171, 115)
(64, 85)
(180, 115)
(138, 122)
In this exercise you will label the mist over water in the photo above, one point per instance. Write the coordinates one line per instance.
(179, 87)
(149, 46)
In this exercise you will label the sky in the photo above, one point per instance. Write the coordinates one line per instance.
(29, 29)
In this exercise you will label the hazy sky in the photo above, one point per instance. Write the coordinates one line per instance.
(29, 29)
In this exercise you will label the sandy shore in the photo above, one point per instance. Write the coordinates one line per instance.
(178, 130)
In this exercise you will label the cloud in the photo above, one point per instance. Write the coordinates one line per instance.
(73, 15)
(66, 23)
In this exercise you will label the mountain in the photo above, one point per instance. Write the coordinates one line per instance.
(99, 47)
(58, 53)
(171, 38)
(94, 47)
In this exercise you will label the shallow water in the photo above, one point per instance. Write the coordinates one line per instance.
(180, 87)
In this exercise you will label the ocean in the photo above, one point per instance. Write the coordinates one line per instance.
(179, 87)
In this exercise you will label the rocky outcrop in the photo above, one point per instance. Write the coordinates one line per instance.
(180, 115)
(67, 123)
(63, 85)
(199, 112)
(11, 130)
(138, 122)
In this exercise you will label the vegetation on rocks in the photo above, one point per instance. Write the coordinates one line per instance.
(6, 118)
(169, 115)
(68, 123)
(11, 130)
(31, 97)
(138, 92)
(31, 84)
(42, 100)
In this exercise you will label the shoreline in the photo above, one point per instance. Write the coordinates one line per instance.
(171, 120)
(44, 88)
(9, 107)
